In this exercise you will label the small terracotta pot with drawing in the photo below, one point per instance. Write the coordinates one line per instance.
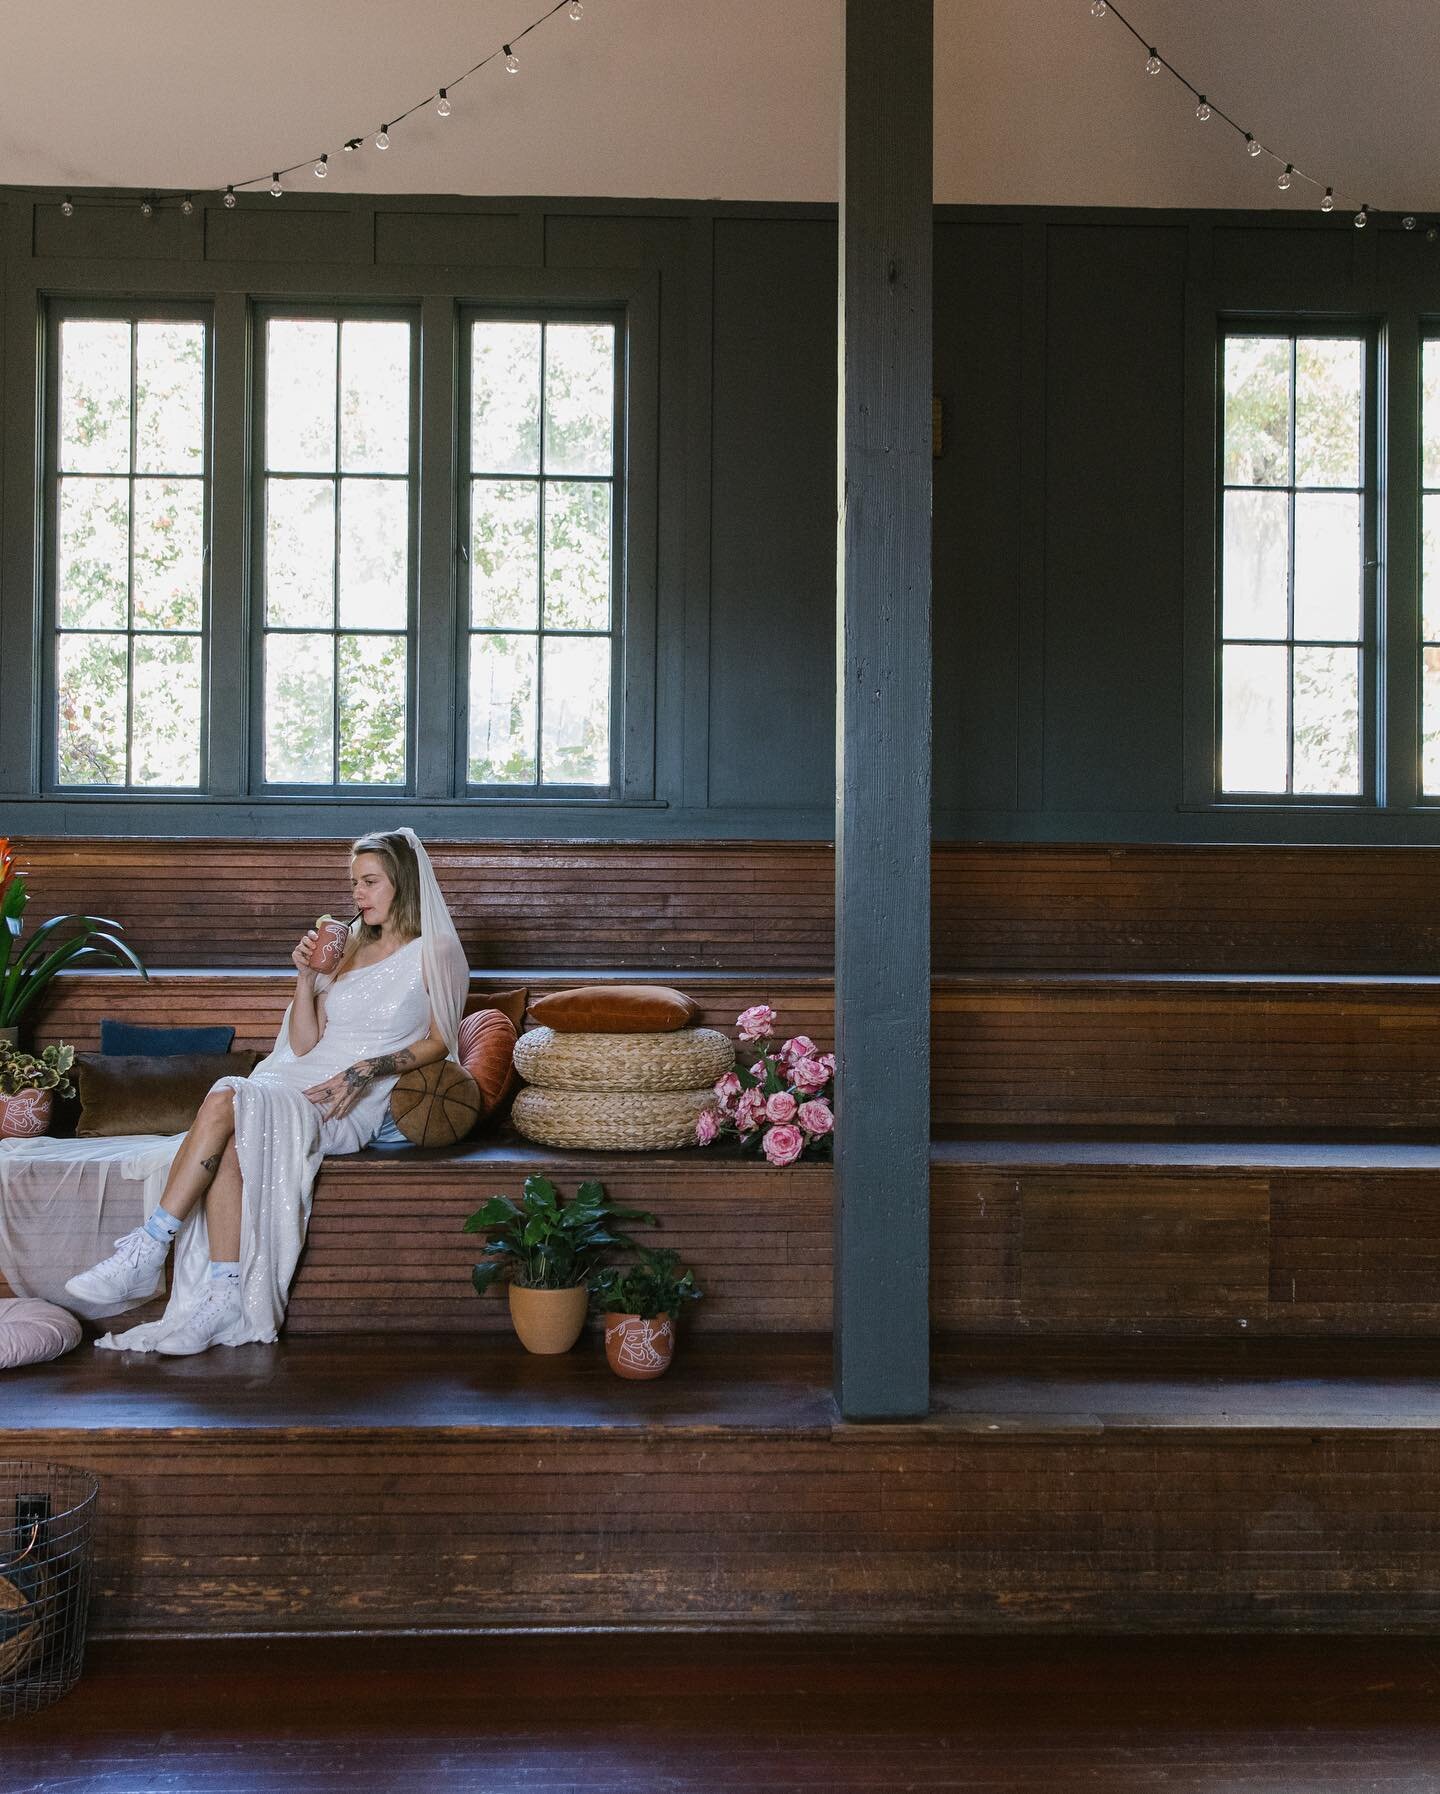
(640, 1304)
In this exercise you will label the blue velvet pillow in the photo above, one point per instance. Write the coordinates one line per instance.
(163, 1043)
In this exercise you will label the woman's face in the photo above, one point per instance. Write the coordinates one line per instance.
(373, 889)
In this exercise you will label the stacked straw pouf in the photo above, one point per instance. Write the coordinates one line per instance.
(635, 1084)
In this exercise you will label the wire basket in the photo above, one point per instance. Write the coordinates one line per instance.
(47, 1524)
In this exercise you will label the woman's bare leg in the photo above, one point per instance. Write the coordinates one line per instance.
(201, 1153)
(222, 1208)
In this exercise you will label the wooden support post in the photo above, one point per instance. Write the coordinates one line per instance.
(883, 706)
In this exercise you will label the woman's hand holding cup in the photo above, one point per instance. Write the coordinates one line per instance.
(304, 948)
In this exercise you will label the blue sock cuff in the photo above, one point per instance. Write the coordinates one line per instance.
(162, 1225)
(220, 1267)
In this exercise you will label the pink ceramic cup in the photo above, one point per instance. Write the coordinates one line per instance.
(329, 950)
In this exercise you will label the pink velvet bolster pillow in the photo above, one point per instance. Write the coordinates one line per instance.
(615, 1009)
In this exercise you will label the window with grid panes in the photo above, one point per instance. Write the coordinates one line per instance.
(337, 483)
(541, 540)
(128, 478)
(1296, 514)
(1430, 569)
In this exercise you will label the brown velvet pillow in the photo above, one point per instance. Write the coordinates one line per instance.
(134, 1093)
(615, 1009)
(509, 1002)
(487, 1051)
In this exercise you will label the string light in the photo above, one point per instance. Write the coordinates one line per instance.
(1204, 110)
(382, 137)
(512, 61)
(146, 209)
(187, 207)
(322, 168)
(230, 198)
(442, 105)
(351, 143)
(577, 10)
(67, 207)
(275, 188)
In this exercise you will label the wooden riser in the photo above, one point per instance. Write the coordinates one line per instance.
(367, 1487)
(687, 906)
(1317, 1054)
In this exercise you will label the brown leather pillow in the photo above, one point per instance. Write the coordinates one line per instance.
(615, 1009)
(509, 1002)
(141, 1093)
(487, 1051)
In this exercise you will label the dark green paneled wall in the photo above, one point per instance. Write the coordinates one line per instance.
(1069, 353)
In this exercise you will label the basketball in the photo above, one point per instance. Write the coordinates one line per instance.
(436, 1105)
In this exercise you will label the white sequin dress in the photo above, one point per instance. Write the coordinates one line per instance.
(280, 1141)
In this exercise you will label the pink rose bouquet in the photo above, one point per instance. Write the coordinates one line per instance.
(779, 1099)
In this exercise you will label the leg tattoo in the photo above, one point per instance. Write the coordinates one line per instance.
(212, 1165)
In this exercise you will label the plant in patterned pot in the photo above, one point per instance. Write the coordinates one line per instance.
(548, 1251)
(641, 1303)
(63, 941)
(28, 1083)
(781, 1101)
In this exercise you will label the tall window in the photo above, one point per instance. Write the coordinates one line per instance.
(338, 525)
(1430, 568)
(128, 489)
(1297, 515)
(543, 526)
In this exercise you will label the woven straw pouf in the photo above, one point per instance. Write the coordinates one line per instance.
(614, 1121)
(684, 1060)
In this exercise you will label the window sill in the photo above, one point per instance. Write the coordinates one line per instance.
(344, 799)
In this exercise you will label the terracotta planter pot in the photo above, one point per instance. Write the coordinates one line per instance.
(25, 1114)
(548, 1320)
(639, 1348)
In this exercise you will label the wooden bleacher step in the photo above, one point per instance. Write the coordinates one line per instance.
(1064, 1484)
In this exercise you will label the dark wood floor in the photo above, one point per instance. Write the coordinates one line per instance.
(617, 1714)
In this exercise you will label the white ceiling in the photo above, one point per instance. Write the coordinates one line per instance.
(1035, 101)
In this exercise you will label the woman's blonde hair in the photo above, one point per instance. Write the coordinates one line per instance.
(398, 858)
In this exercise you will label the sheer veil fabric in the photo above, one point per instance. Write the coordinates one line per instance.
(280, 1139)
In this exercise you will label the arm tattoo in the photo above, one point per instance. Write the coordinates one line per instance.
(388, 1064)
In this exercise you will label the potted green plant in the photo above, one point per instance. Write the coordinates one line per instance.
(26, 972)
(641, 1303)
(28, 1082)
(548, 1251)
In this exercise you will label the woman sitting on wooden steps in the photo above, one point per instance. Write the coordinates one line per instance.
(237, 1197)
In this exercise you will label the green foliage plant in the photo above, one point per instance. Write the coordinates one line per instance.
(653, 1285)
(542, 1242)
(26, 971)
(48, 1070)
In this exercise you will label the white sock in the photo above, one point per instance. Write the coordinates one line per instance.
(226, 1271)
(162, 1226)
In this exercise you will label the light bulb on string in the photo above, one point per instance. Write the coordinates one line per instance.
(1408, 222)
(1099, 8)
(1328, 203)
(351, 144)
(146, 209)
(322, 168)
(1153, 64)
(230, 199)
(275, 188)
(382, 137)
(1252, 146)
(512, 61)
(67, 207)
(577, 10)
(1202, 111)
(1283, 179)
(1362, 217)
(442, 105)
(187, 207)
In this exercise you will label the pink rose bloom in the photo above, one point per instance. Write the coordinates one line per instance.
(707, 1126)
(749, 1111)
(756, 1021)
(783, 1145)
(815, 1117)
(728, 1089)
(809, 1074)
(800, 1047)
(760, 1070)
(781, 1107)
(828, 1061)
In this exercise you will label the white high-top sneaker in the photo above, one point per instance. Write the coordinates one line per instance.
(132, 1269)
(215, 1313)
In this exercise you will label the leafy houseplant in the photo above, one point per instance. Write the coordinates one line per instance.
(548, 1251)
(28, 1083)
(641, 1303)
(26, 972)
